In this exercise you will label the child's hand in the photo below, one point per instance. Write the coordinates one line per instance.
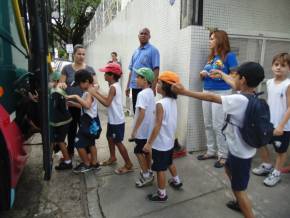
(71, 97)
(278, 131)
(62, 85)
(216, 74)
(133, 134)
(93, 89)
(147, 148)
(203, 74)
(178, 88)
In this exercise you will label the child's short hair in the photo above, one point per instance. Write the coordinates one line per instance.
(116, 77)
(166, 87)
(83, 76)
(282, 58)
(253, 73)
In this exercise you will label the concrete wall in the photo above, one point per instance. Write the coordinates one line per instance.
(185, 50)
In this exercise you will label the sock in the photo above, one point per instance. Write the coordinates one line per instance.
(276, 172)
(146, 175)
(267, 165)
(162, 193)
(176, 179)
(67, 161)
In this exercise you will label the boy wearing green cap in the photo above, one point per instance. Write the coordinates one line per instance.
(143, 124)
(59, 121)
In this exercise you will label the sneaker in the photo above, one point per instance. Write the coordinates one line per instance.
(143, 181)
(174, 184)
(151, 173)
(64, 166)
(262, 170)
(272, 180)
(95, 167)
(233, 205)
(157, 198)
(81, 168)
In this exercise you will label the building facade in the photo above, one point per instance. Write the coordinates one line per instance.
(180, 30)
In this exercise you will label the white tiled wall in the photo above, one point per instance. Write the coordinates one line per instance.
(185, 50)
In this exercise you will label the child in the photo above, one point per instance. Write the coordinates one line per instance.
(143, 123)
(59, 121)
(279, 102)
(85, 138)
(161, 140)
(116, 118)
(238, 164)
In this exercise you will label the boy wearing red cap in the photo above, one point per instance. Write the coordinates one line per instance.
(116, 118)
(161, 140)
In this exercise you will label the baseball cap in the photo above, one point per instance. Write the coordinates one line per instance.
(55, 75)
(113, 68)
(169, 77)
(146, 72)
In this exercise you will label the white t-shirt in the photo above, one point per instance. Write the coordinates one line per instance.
(146, 101)
(277, 101)
(236, 105)
(115, 110)
(165, 139)
(93, 110)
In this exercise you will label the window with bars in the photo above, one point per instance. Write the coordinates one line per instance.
(191, 13)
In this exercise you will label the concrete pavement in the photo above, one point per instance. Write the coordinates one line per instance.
(204, 194)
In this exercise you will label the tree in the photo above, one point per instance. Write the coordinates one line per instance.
(75, 16)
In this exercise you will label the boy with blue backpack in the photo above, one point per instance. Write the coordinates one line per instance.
(238, 107)
(279, 102)
(90, 127)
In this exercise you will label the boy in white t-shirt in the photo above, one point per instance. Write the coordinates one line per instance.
(161, 140)
(85, 139)
(143, 124)
(279, 102)
(238, 164)
(116, 117)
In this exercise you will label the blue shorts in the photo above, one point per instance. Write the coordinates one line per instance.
(139, 146)
(161, 159)
(239, 170)
(116, 132)
(281, 143)
(82, 141)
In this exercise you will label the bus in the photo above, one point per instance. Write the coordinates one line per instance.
(23, 90)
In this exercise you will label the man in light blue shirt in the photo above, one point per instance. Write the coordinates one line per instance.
(144, 56)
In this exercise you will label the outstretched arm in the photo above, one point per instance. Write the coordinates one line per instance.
(227, 78)
(85, 103)
(104, 100)
(205, 96)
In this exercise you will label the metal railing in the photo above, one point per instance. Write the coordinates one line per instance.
(105, 13)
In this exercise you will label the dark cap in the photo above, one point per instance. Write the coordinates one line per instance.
(253, 73)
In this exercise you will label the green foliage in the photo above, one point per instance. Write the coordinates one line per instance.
(75, 17)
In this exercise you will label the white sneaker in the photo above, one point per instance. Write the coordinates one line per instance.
(143, 181)
(262, 170)
(272, 179)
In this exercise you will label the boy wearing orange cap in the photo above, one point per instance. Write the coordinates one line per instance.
(161, 140)
(116, 118)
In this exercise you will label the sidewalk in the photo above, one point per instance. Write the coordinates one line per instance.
(204, 194)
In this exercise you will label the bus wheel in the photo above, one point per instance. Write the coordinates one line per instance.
(5, 177)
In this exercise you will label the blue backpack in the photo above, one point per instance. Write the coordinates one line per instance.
(257, 130)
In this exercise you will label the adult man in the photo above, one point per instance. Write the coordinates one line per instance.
(144, 56)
